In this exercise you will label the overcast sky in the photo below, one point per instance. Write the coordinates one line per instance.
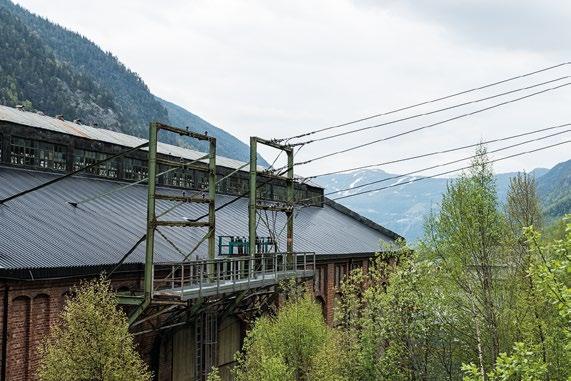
(278, 68)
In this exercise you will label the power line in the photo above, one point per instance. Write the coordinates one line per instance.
(430, 112)
(437, 152)
(450, 162)
(201, 217)
(110, 192)
(428, 101)
(431, 125)
(452, 171)
(57, 179)
(436, 166)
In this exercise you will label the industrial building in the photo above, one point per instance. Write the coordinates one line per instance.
(92, 222)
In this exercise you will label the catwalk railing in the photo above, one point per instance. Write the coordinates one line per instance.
(200, 278)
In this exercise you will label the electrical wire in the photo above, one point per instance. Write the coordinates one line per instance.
(453, 171)
(437, 166)
(362, 145)
(57, 179)
(437, 152)
(344, 133)
(428, 101)
(105, 194)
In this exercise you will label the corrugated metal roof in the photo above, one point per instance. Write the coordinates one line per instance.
(41, 230)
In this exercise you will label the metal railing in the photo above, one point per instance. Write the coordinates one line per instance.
(192, 279)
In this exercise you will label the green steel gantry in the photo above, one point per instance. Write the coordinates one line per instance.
(153, 222)
(253, 203)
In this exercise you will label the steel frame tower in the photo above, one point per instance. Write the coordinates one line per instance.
(253, 204)
(153, 222)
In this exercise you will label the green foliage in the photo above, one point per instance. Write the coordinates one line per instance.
(296, 344)
(476, 291)
(91, 341)
(214, 375)
(521, 365)
(391, 316)
(31, 75)
(553, 187)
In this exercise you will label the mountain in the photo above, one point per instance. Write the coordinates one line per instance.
(404, 208)
(51, 69)
(554, 189)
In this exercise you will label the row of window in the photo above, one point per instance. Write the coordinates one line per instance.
(36, 153)
(39, 154)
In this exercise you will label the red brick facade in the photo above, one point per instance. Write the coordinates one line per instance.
(33, 306)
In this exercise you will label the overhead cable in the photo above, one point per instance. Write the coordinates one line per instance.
(430, 112)
(437, 152)
(427, 126)
(452, 171)
(437, 165)
(428, 101)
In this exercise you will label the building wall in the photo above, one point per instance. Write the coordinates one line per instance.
(33, 307)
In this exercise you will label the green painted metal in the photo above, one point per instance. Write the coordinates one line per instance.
(212, 197)
(152, 222)
(151, 218)
(130, 299)
(253, 195)
(253, 206)
(290, 201)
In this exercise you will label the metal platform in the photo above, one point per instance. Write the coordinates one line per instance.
(201, 278)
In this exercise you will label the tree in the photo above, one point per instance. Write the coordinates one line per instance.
(522, 206)
(480, 289)
(467, 239)
(92, 340)
(296, 344)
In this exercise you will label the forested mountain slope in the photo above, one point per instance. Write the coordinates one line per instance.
(51, 69)
(554, 189)
(405, 206)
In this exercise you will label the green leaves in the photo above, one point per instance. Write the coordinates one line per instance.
(92, 340)
(294, 345)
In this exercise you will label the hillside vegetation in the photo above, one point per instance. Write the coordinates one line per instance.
(56, 71)
(404, 207)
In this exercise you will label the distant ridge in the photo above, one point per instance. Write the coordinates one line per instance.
(57, 71)
(405, 207)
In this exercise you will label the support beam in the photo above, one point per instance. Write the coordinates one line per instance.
(212, 197)
(152, 196)
(168, 197)
(290, 201)
(253, 189)
(253, 206)
(151, 217)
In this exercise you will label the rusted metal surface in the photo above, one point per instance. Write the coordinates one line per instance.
(45, 122)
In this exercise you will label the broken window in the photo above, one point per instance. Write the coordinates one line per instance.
(135, 169)
(39, 154)
(83, 158)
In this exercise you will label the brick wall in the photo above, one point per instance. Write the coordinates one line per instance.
(34, 306)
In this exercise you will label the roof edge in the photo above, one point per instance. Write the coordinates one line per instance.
(364, 220)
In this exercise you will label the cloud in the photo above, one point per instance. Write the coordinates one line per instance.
(509, 24)
(275, 69)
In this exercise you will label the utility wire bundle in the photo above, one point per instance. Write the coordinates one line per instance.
(293, 141)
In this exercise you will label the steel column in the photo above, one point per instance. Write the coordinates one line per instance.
(290, 201)
(212, 197)
(151, 218)
(253, 191)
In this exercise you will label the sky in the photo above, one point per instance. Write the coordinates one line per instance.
(279, 68)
